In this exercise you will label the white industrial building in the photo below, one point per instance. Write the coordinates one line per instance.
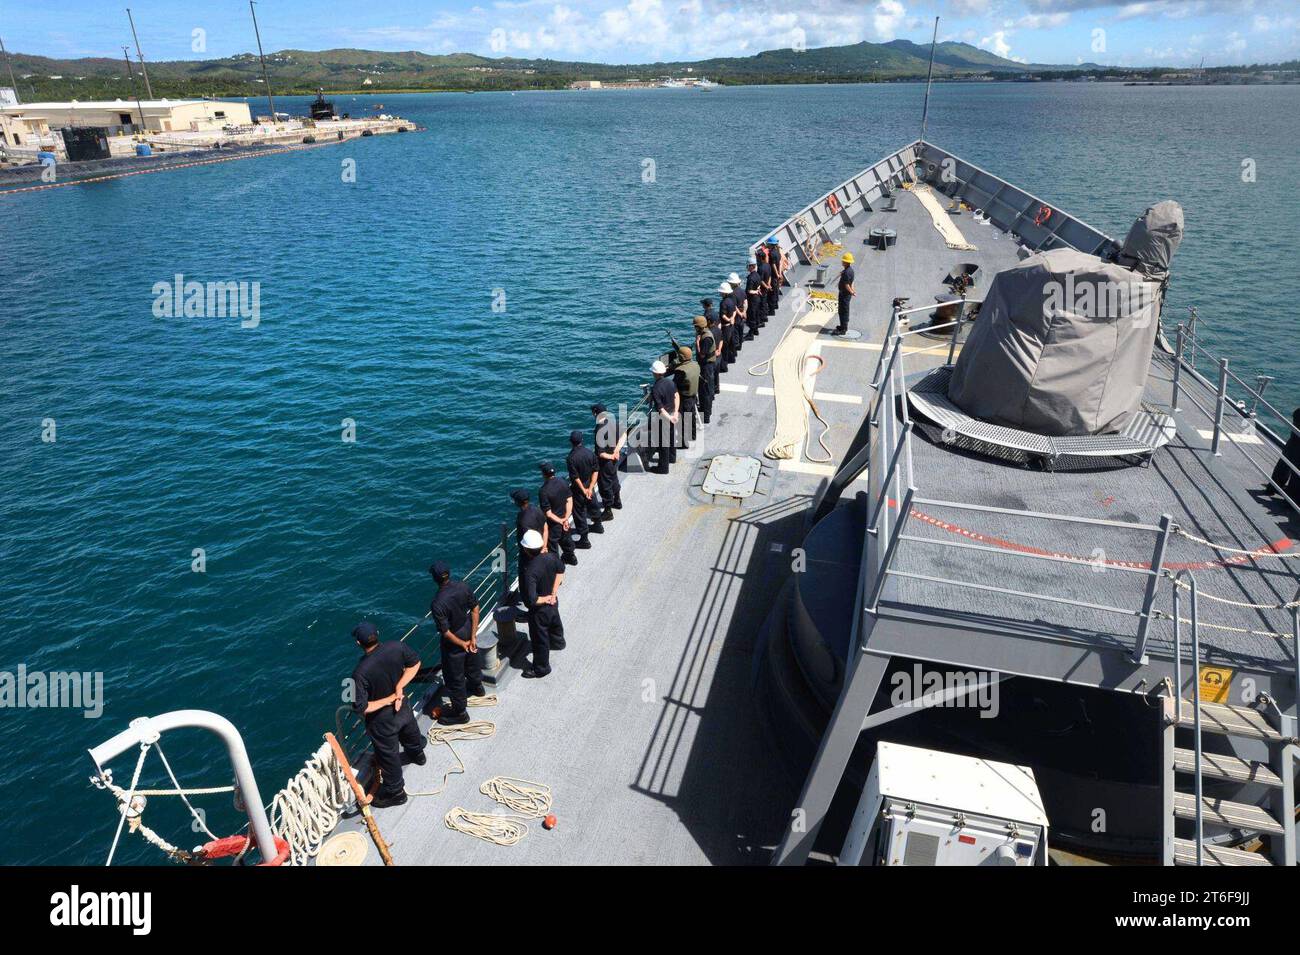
(157, 116)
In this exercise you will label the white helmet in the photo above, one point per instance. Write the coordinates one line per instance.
(724, 288)
(659, 368)
(753, 260)
(734, 279)
(531, 541)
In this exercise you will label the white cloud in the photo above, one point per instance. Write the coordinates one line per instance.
(997, 43)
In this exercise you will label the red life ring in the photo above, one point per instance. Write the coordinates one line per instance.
(832, 204)
(1044, 213)
(234, 845)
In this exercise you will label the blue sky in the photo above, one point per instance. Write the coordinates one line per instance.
(1139, 32)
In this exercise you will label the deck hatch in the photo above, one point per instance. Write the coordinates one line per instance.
(732, 475)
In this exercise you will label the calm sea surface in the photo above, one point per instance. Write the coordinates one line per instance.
(377, 306)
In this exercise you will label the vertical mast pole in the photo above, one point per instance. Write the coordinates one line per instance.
(148, 87)
(10, 63)
(929, 77)
(130, 75)
(265, 78)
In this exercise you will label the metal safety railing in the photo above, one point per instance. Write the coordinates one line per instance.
(893, 483)
(1197, 750)
(1254, 411)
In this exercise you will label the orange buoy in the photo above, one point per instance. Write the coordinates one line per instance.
(549, 822)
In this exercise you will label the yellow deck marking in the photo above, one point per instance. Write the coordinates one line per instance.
(1235, 438)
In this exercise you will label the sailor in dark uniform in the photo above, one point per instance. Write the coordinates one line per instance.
(705, 349)
(557, 504)
(752, 285)
(379, 684)
(776, 260)
(765, 273)
(609, 446)
(529, 518)
(584, 468)
(742, 309)
(455, 613)
(846, 293)
(541, 583)
(663, 423)
(727, 314)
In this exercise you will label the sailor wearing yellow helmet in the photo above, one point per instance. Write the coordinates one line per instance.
(847, 291)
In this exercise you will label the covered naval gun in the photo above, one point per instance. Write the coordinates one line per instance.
(1063, 342)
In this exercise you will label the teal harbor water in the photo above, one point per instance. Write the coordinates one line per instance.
(376, 305)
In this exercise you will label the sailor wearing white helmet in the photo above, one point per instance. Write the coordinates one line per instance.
(727, 314)
(742, 308)
(539, 587)
(662, 425)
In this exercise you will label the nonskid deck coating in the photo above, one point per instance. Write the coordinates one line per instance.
(646, 730)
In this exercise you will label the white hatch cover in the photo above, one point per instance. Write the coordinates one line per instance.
(731, 475)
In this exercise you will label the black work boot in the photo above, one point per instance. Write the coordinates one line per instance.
(596, 528)
(608, 515)
(582, 544)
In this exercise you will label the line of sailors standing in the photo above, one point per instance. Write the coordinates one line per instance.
(559, 524)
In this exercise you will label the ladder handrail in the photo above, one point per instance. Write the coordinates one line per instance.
(1196, 695)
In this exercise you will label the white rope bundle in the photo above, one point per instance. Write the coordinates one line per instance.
(952, 236)
(791, 394)
(307, 809)
(526, 799)
(446, 735)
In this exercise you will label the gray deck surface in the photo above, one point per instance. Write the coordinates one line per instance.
(646, 730)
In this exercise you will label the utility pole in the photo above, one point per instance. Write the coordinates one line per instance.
(265, 78)
(148, 88)
(130, 75)
(9, 61)
(925, 110)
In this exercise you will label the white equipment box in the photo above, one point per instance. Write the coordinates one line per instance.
(923, 807)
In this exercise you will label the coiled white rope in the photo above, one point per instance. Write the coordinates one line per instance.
(788, 384)
(440, 735)
(307, 809)
(527, 800)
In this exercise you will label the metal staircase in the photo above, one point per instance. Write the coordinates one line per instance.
(1260, 725)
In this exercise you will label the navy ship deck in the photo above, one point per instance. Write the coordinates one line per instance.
(646, 730)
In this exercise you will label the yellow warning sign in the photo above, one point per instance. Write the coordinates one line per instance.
(1215, 682)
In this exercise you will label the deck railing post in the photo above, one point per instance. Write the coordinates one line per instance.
(1219, 405)
(956, 331)
(1178, 368)
(505, 563)
(1196, 727)
(1178, 651)
(1195, 333)
(878, 585)
(1153, 586)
